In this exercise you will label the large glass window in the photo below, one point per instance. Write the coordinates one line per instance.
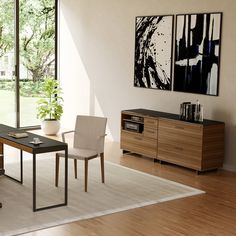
(30, 44)
(7, 63)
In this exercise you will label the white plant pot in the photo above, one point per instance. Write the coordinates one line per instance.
(50, 127)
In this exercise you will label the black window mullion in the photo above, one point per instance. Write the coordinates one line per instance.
(17, 63)
(56, 38)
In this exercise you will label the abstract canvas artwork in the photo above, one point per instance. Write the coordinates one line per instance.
(197, 53)
(153, 52)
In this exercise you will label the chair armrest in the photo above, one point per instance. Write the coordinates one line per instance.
(67, 132)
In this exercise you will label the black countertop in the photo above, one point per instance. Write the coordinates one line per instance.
(152, 113)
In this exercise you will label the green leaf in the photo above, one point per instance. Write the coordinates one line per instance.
(51, 106)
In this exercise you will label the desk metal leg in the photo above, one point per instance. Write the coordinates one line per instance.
(34, 182)
(21, 170)
(21, 166)
(66, 176)
(34, 185)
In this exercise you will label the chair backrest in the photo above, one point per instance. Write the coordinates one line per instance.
(88, 129)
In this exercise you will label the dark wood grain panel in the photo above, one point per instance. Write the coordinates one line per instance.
(139, 144)
(213, 148)
(150, 128)
(191, 145)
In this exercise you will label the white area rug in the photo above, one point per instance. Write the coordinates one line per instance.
(124, 189)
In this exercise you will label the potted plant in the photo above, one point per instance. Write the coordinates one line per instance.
(50, 108)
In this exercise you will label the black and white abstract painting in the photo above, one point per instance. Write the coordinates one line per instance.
(197, 53)
(153, 52)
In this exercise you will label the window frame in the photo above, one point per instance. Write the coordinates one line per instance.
(17, 61)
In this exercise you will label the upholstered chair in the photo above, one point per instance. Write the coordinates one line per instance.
(88, 143)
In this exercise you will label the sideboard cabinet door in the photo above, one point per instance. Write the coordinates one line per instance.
(180, 143)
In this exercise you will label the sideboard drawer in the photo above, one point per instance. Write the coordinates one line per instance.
(150, 128)
(151, 123)
(180, 130)
(138, 143)
(180, 143)
(150, 133)
(187, 156)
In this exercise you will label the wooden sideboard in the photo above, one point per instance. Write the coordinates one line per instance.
(162, 136)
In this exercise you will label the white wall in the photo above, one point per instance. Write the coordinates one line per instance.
(97, 63)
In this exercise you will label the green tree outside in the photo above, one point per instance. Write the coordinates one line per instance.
(37, 37)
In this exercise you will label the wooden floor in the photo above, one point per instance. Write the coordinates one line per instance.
(213, 213)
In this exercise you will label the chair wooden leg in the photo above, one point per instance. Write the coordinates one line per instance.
(57, 169)
(102, 167)
(75, 167)
(85, 175)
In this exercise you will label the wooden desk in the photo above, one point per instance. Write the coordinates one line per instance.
(48, 145)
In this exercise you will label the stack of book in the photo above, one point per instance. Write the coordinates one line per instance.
(18, 134)
(191, 112)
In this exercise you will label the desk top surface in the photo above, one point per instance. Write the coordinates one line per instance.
(48, 145)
